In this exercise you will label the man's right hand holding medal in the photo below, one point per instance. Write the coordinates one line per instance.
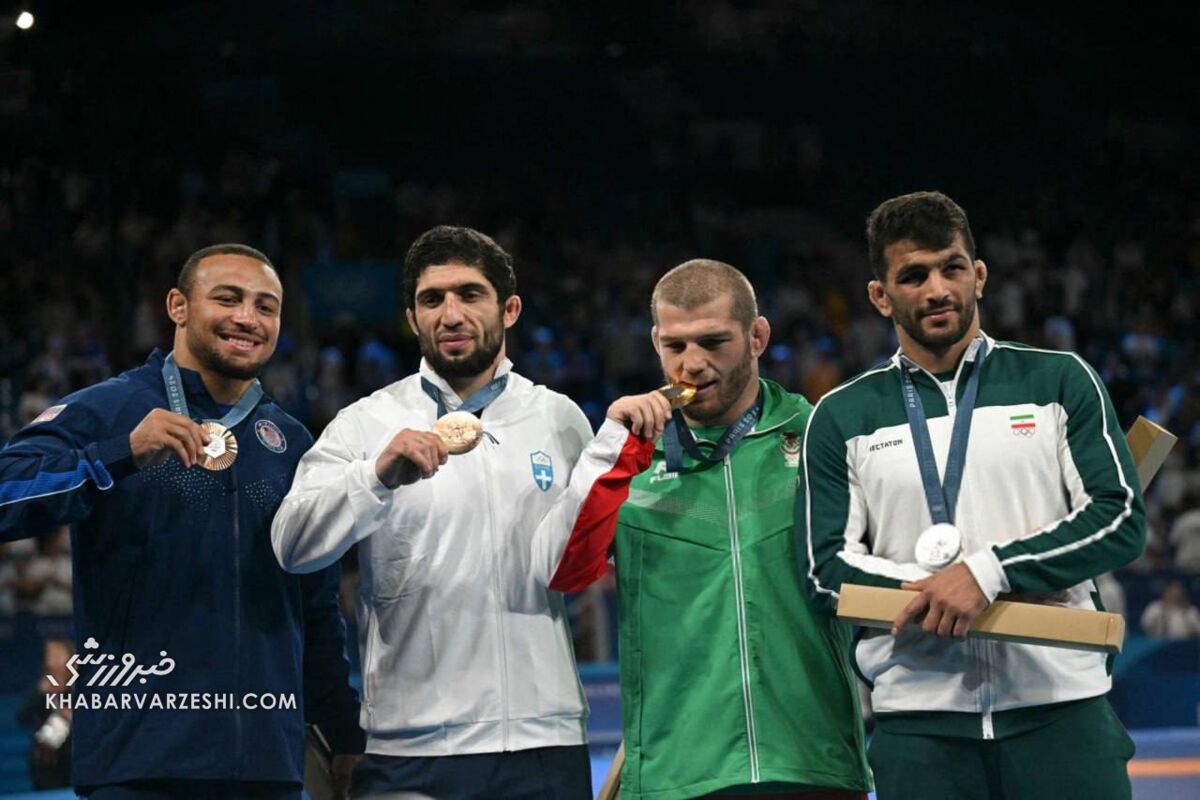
(644, 415)
(163, 432)
(409, 457)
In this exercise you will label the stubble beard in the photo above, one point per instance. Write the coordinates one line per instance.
(480, 359)
(729, 391)
(939, 341)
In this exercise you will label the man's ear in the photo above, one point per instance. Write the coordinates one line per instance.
(512, 310)
(981, 273)
(412, 321)
(177, 307)
(654, 339)
(760, 336)
(879, 298)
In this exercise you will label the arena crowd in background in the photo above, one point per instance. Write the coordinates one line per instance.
(600, 155)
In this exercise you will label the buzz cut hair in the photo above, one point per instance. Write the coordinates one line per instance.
(187, 275)
(702, 280)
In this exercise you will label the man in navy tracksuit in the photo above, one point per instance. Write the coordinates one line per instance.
(228, 655)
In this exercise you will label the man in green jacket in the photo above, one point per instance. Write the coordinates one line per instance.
(730, 684)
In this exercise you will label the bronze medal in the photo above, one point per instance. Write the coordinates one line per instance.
(460, 430)
(221, 450)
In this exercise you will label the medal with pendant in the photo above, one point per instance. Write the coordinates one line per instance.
(222, 448)
(941, 544)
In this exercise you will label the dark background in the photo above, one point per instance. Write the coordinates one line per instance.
(603, 143)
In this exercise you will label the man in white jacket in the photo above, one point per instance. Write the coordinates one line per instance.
(469, 682)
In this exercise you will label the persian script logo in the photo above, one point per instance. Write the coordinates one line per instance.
(110, 671)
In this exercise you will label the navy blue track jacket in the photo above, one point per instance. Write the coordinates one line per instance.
(179, 561)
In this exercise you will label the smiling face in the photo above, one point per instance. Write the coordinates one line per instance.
(460, 321)
(931, 296)
(707, 347)
(228, 324)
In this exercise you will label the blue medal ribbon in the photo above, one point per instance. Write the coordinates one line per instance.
(475, 403)
(677, 438)
(178, 402)
(942, 495)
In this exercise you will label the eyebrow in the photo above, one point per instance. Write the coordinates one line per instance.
(722, 335)
(458, 288)
(227, 287)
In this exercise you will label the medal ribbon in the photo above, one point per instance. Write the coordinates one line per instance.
(175, 397)
(942, 497)
(473, 404)
(677, 438)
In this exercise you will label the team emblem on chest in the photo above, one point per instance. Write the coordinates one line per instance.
(790, 447)
(270, 436)
(1023, 425)
(543, 470)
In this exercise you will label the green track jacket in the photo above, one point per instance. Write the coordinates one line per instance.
(728, 677)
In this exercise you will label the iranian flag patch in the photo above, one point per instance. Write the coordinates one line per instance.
(1023, 424)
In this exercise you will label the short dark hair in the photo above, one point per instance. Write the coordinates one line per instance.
(187, 275)
(702, 280)
(451, 244)
(930, 219)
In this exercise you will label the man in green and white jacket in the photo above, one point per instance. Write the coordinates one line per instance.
(1049, 499)
(730, 683)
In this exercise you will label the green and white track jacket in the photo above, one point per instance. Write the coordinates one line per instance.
(1049, 500)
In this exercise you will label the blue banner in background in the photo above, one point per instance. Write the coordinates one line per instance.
(366, 291)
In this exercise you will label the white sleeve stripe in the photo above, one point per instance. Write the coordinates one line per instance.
(812, 575)
(1125, 513)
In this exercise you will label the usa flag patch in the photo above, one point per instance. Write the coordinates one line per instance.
(49, 414)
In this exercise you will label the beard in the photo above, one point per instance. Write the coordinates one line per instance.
(936, 341)
(481, 358)
(214, 361)
(729, 390)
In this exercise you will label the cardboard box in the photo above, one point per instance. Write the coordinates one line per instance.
(1150, 443)
(1006, 620)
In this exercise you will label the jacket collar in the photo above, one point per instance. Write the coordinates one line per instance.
(969, 353)
(193, 384)
(449, 396)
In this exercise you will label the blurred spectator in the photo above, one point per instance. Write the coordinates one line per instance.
(1112, 595)
(1185, 536)
(1172, 616)
(50, 752)
(44, 585)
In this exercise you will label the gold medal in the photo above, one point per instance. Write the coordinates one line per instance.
(680, 393)
(460, 430)
(222, 447)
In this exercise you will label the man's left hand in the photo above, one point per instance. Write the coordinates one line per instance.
(340, 770)
(949, 599)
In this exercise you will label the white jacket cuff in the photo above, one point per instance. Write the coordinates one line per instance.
(985, 566)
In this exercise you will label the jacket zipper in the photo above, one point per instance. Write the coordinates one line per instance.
(982, 649)
(237, 616)
(497, 548)
(739, 591)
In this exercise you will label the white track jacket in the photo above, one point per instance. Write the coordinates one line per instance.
(464, 647)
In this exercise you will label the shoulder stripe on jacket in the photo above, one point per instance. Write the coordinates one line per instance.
(1127, 509)
(45, 484)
